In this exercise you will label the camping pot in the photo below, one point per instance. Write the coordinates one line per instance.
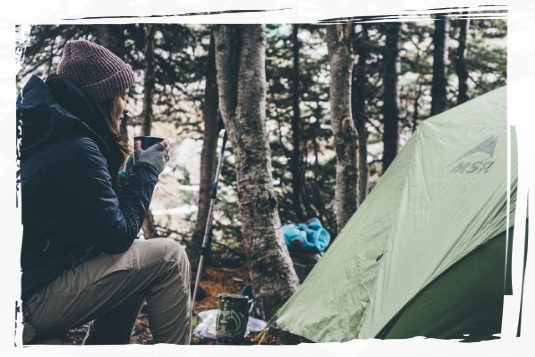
(232, 318)
(147, 141)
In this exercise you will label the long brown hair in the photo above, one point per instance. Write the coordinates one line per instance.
(108, 108)
(114, 139)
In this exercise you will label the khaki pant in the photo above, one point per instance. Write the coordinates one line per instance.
(109, 291)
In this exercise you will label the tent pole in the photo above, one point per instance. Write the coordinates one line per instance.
(208, 221)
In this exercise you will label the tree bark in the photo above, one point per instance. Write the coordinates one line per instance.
(148, 86)
(208, 156)
(345, 134)
(460, 62)
(440, 58)
(148, 226)
(241, 78)
(298, 177)
(391, 94)
(358, 105)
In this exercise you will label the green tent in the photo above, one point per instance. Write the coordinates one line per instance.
(425, 254)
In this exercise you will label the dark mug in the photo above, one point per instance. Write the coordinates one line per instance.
(148, 141)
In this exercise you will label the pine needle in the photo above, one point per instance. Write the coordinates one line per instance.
(262, 335)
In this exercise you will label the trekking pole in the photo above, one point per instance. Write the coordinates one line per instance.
(209, 220)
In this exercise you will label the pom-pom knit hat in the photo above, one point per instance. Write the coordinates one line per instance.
(101, 73)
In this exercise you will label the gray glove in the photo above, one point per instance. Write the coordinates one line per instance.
(156, 155)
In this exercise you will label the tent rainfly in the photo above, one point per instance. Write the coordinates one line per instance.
(425, 254)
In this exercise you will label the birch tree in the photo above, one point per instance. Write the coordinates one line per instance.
(240, 64)
(345, 134)
(358, 106)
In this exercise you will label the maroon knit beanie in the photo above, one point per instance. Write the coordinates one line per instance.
(101, 73)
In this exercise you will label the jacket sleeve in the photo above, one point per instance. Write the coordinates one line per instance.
(112, 223)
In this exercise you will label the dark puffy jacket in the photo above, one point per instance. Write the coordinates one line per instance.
(70, 211)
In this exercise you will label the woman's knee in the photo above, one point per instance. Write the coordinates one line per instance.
(148, 252)
(175, 251)
(176, 255)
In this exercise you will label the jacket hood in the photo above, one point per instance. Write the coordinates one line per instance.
(48, 111)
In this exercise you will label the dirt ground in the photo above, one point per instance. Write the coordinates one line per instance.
(214, 281)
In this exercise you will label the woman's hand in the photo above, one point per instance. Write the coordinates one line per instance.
(164, 143)
(156, 155)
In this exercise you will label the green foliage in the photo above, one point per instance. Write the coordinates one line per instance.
(486, 59)
(315, 120)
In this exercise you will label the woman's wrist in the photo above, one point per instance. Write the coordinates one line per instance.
(124, 174)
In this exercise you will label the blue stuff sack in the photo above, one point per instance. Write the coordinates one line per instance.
(310, 236)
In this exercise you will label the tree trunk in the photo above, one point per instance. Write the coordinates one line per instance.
(149, 229)
(298, 177)
(391, 94)
(345, 134)
(148, 87)
(241, 78)
(440, 57)
(208, 156)
(460, 62)
(358, 105)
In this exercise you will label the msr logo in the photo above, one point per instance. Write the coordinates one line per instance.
(480, 166)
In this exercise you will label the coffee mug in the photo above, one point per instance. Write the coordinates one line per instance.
(147, 141)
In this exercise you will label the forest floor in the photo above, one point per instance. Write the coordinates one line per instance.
(214, 281)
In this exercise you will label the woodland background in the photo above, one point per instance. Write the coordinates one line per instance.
(336, 105)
